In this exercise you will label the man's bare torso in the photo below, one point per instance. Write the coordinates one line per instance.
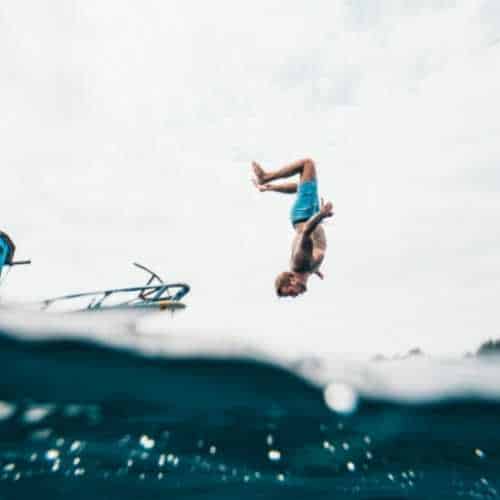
(308, 251)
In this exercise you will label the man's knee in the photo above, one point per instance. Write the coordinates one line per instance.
(309, 171)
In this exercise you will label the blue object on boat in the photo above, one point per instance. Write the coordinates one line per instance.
(7, 249)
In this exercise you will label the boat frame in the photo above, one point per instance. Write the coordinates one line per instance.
(153, 296)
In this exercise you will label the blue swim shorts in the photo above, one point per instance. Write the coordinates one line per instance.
(307, 202)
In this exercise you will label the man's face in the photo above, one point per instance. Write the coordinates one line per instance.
(293, 288)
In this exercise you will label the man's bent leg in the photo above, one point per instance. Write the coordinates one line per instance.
(305, 168)
(308, 172)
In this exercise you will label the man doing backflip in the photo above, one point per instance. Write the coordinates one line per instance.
(309, 244)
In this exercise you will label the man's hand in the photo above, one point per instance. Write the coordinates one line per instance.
(261, 187)
(326, 209)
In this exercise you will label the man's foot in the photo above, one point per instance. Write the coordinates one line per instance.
(260, 175)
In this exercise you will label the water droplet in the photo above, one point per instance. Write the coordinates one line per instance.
(367, 440)
(280, 477)
(161, 460)
(37, 413)
(390, 477)
(6, 410)
(269, 440)
(479, 453)
(72, 410)
(345, 446)
(350, 467)
(80, 471)
(75, 446)
(41, 434)
(274, 455)
(341, 398)
(9, 467)
(328, 446)
(51, 454)
(124, 440)
(146, 442)
(369, 455)
(76, 461)
(212, 450)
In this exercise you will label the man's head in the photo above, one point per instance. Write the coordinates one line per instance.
(287, 284)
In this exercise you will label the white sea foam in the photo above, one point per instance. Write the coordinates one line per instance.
(343, 380)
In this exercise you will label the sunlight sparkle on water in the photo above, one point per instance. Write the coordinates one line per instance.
(6, 410)
(75, 446)
(37, 413)
(146, 442)
(52, 454)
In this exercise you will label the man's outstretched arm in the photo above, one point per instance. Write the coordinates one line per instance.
(325, 211)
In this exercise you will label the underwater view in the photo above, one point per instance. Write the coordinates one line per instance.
(81, 419)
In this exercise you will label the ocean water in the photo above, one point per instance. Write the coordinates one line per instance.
(84, 419)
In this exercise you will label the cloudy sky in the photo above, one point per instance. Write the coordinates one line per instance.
(128, 128)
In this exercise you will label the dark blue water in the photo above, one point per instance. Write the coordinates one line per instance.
(82, 421)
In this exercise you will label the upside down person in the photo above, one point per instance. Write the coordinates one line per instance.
(309, 244)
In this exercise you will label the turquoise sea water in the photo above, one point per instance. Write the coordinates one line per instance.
(79, 420)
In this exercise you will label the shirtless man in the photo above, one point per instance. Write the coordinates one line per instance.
(309, 244)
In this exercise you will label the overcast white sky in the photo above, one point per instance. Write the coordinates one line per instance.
(128, 128)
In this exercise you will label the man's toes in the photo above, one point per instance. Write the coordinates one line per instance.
(258, 171)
